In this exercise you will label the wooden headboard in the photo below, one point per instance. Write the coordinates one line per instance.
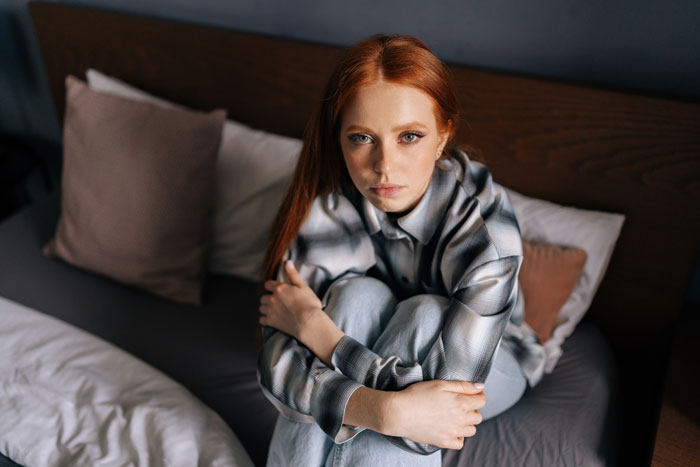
(574, 145)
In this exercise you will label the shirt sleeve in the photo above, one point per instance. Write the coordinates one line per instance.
(302, 387)
(330, 246)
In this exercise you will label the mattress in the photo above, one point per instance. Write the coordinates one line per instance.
(569, 418)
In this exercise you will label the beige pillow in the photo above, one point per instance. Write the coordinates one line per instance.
(253, 172)
(547, 276)
(137, 191)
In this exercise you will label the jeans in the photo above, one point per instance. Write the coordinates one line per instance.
(366, 309)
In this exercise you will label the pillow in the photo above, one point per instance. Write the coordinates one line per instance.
(253, 172)
(595, 232)
(137, 191)
(548, 276)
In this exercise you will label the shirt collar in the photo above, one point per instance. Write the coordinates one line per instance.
(422, 221)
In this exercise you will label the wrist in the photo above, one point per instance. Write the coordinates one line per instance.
(321, 335)
(387, 412)
(314, 325)
(372, 409)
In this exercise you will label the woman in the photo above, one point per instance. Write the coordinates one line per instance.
(391, 281)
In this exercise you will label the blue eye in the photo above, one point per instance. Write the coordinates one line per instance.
(359, 138)
(411, 137)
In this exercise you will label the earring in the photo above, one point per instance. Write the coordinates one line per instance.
(438, 154)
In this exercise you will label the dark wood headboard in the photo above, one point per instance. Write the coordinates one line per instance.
(574, 145)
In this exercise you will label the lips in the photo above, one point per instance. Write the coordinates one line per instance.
(386, 189)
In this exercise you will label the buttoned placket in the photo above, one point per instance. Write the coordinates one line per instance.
(400, 247)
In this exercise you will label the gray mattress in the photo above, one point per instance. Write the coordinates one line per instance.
(568, 419)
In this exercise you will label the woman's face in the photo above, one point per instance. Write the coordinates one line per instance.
(390, 139)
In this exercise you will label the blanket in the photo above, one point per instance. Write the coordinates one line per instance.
(70, 398)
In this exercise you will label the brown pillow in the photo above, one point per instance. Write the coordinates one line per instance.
(547, 277)
(137, 191)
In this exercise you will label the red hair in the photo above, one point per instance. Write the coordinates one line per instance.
(321, 169)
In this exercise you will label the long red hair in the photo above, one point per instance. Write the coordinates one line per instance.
(321, 169)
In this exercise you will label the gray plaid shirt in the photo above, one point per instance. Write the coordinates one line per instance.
(461, 241)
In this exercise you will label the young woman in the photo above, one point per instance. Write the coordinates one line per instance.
(393, 323)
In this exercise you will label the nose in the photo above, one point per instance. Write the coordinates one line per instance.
(383, 159)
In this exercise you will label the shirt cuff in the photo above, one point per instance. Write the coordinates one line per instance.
(329, 399)
(527, 349)
(353, 359)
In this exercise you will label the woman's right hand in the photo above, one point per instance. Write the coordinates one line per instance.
(437, 412)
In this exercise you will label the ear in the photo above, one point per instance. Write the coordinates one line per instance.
(446, 134)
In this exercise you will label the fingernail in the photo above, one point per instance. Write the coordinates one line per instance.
(479, 385)
(290, 264)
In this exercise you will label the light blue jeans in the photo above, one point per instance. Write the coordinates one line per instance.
(366, 309)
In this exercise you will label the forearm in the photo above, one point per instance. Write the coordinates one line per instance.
(422, 418)
(368, 408)
(321, 335)
(372, 409)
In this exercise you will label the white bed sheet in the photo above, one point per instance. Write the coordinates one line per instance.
(70, 398)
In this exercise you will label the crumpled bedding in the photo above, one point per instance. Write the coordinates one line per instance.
(70, 398)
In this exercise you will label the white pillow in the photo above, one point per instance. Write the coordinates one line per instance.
(253, 171)
(596, 232)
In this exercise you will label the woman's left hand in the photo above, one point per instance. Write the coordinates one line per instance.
(296, 310)
(290, 307)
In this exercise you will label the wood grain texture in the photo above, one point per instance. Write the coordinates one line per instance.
(574, 145)
(262, 81)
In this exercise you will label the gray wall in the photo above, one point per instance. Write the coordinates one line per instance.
(639, 45)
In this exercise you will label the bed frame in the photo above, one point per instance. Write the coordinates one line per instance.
(575, 145)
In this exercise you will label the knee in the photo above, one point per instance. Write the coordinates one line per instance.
(413, 328)
(420, 315)
(421, 309)
(357, 283)
(346, 297)
(354, 287)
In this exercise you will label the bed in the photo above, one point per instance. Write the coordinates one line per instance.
(575, 145)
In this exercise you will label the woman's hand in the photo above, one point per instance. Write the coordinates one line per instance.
(290, 306)
(437, 412)
(296, 310)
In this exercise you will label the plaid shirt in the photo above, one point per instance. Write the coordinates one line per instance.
(461, 241)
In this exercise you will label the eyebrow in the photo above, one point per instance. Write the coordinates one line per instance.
(405, 126)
